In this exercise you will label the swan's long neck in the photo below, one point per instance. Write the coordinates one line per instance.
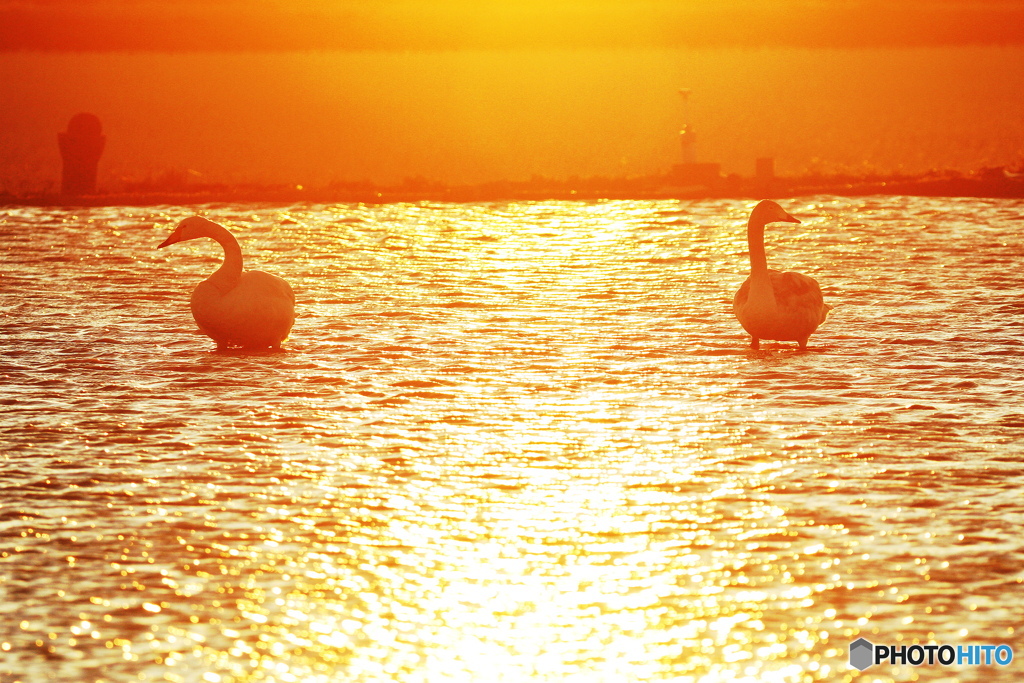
(755, 243)
(226, 277)
(761, 290)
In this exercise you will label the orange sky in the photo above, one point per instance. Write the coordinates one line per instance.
(202, 25)
(313, 92)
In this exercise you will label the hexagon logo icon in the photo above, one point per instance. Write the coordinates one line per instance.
(862, 654)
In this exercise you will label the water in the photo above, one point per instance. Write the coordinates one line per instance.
(510, 442)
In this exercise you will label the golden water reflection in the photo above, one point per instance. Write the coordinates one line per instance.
(559, 571)
(507, 442)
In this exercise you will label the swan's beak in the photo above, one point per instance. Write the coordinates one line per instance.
(790, 219)
(171, 239)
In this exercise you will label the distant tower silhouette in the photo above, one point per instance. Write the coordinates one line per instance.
(691, 173)
(687, 138)
(80, 147)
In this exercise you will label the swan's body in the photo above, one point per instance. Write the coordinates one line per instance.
(771, 304)
(251, 309)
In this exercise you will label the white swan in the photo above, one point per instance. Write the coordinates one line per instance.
(251, 309)
(771, 304)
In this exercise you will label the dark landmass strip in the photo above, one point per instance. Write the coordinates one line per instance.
(991, 182)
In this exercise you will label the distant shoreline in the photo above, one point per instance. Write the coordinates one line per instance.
(989, 183)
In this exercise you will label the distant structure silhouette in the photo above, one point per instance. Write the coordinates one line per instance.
(687, 139)
(80, 147)
(690, 172)
(764, 176)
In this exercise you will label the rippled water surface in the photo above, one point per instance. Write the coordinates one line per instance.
(511, 442)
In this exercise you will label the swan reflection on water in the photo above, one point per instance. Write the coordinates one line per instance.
(234, 307)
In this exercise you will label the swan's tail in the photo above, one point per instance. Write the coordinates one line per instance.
(825, 310)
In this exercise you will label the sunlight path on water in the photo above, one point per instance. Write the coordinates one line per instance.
(508, 442)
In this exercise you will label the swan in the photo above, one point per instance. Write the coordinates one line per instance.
(235, 307)
(771, 304)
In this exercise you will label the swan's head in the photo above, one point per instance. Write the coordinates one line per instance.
(191, 228)
(768, 211)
